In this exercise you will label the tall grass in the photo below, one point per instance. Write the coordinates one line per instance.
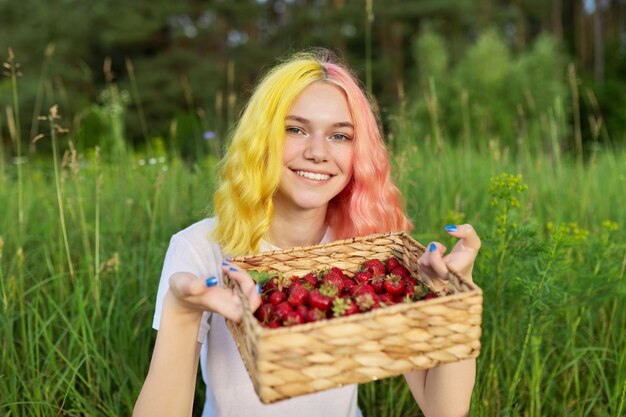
(82, 240)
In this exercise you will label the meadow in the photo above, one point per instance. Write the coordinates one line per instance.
(83, 233)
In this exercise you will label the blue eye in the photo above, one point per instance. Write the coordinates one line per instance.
(340, 137)
(293, 130)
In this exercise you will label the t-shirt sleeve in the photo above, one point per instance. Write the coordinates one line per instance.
(181, 256)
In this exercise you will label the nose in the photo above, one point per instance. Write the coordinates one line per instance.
(317, 148)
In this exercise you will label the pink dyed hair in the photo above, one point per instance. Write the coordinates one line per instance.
(371, 202)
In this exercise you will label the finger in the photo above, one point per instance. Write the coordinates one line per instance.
(186, 284)
(433, 259)
(225, 302)
(467, 234)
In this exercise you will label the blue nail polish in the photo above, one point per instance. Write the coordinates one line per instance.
(451, 228)
(211, 282)
(225, 262)
(258, 288)
(432, 247)
(232, 269)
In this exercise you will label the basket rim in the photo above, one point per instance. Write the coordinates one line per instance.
(324, 245)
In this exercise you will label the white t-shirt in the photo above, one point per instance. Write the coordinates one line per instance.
(229, 391)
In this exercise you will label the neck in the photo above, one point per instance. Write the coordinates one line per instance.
(303, 228)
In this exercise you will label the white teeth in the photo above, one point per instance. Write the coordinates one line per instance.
(313, 176)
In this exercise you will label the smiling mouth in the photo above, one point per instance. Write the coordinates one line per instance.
(313, 175)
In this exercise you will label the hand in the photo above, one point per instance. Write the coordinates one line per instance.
(193, 294)
(434, 266)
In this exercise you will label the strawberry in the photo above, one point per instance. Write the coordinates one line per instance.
(277, 297)
(282, 310)
(310, 279)
(303, 311)
(420, 290)
(394, 285)
(264, 312)
(377, 283)
(374, 267)
(429, 296)
(367, 301)
(400, 270)
(298, 295)
(292, 318)
(334, 276)
(386, 299)
(409, 291)
(392, 263)
(344, 307)
(363, 289)
(347, 285)
(273, 324)
(363, 277)
(320, 301)
(316, 315)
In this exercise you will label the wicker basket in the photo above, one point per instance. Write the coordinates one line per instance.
(291, 361)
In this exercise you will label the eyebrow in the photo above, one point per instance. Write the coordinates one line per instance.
(308, 122)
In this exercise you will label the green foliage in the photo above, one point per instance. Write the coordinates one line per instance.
(492, 93)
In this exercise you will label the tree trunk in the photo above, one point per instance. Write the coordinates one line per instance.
(557, 19)
(598, 43)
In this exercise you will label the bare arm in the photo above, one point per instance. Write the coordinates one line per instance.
(170, 385)
(171, 381)
(444, 391)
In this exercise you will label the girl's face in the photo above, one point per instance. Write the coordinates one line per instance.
(319, 148)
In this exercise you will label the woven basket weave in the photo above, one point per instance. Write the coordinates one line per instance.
(291, 361)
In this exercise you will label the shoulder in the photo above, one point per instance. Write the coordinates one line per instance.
(199, 233)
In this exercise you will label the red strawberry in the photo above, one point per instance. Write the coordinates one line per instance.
(394, 285)
(303, 311)
(319, 301)
(292, 318)
(298, 296)
(264, 312)
(334, 277)
(363, 277)
(400, 270)
(316, 315)
(344, 307)
(282, 310)
(277, 297)
(409, 291)
(430, 295)
(310, 279)
(363, 289)
(392, 263)
(271, 285)
(374, 267)
(366, 301)
(347, 286)
(386, 299)
(377, 283)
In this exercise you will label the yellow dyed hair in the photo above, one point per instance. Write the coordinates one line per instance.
(250, 171)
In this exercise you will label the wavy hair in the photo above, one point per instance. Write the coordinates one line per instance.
(250, 170)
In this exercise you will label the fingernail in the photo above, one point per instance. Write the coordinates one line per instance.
(258, 288)
(211, 282)
(432, 247)
(232, 269)
(450, 228)
(225, 262)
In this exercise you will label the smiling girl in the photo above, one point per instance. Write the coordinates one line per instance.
(306, 164)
